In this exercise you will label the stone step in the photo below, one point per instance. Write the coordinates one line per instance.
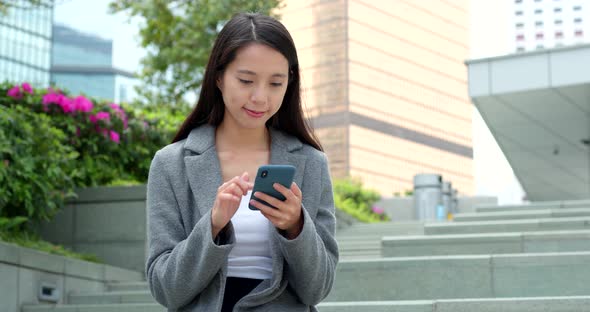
(546, 304)
(522, 214)
(138, 296)
(387, 228)
(527, 225)
(466, 276)
(488, 243)
(537, 205)
(142, 307)
(128, 286)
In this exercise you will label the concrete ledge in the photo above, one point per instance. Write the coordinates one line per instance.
(471, 276)
(108, 194)
(130, 307)
(488, 243)
(537, 205)
(527, 225)
(522, 214)
(42, 261)
(546, 304)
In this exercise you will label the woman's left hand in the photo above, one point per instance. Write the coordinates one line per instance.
(287, 215)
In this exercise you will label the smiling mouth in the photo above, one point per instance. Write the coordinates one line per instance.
(253, 113)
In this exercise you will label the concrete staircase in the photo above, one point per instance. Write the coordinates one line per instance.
(526, 258)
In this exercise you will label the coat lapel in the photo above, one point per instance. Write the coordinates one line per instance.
(202, 166)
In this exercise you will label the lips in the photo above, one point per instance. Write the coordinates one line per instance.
(253, 113)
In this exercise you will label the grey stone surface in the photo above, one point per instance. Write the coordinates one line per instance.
(109, 193)
(113, 274)
(9, 253)
(378, 306)
(556, 241)
(125, 254)
(527, 225)
(29, 282)
(141, 307)
(84, 269)
(412, 278)
(41, 261)
(535, 205)
(552, 274)
(111, 297)
(542, 304)
(61, 228)
(76, 285)
(127, 286)
(468, 244)
(9, 287)
(124, 220)
(402, 208)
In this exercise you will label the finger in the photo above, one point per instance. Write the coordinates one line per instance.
(269, 199)
(285, 191)
(234, 189)
(241, 184)
(265, 210)
(296, 190)
(229, 197)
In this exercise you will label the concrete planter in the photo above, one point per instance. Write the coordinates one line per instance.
(109, 222)
(23, 271)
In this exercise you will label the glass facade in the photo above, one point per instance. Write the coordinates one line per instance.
(25, 43)
(82, 64)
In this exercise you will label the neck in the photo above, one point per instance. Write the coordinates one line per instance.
(233, 138)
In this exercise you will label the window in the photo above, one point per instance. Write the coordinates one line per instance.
(519, 25)
(520, 49)
(579, 33)
(539, 46)
(557, 10)
(578, 20)
(538, 11)
(577, 8)
(538, 23)
(558, 34)
(539, 36)
(518, 13)
(520, 37)
(558, 22)
(517, 1)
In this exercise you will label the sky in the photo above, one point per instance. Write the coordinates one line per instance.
(489, 24)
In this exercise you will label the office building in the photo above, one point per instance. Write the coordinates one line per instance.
(385, 85)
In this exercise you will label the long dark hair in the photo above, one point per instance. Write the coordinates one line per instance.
(243, 29)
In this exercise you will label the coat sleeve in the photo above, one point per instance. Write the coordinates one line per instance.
(178, 267)
(313, 255)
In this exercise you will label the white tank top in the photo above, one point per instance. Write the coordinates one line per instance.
(250, 257)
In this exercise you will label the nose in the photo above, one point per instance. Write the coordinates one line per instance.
(259, 95)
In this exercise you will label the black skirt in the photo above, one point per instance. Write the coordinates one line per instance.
(235, 289)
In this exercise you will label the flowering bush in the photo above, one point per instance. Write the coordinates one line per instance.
(352, 198)
(51, 142)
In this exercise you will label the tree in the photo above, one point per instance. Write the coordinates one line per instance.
(178, 36)
(23, 4)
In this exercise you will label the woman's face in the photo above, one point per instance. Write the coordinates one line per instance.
(253, 86)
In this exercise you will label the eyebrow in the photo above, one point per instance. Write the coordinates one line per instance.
(249, 72)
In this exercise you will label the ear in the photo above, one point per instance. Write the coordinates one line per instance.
(219, 82)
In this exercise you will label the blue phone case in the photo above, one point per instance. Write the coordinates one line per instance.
(268, 175)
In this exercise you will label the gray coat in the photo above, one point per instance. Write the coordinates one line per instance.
(186, 269)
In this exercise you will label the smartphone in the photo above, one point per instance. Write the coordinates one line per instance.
(268, 175)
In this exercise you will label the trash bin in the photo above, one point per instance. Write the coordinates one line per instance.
(427, 196)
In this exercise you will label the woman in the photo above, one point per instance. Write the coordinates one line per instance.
(206, 250)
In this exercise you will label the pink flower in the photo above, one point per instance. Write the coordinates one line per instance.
(120, 113)
(27, 88)
(92, 119)
(114, 137)
(377, 210)
(83, 104)
(66, 104)
(103, 115)
(15, 93)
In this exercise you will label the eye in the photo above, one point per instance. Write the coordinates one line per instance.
(245, 81)
(276, 84)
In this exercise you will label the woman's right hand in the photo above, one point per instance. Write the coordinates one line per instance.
(227, 201)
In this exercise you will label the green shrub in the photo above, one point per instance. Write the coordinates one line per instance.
(352, 198)
(34, 173)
